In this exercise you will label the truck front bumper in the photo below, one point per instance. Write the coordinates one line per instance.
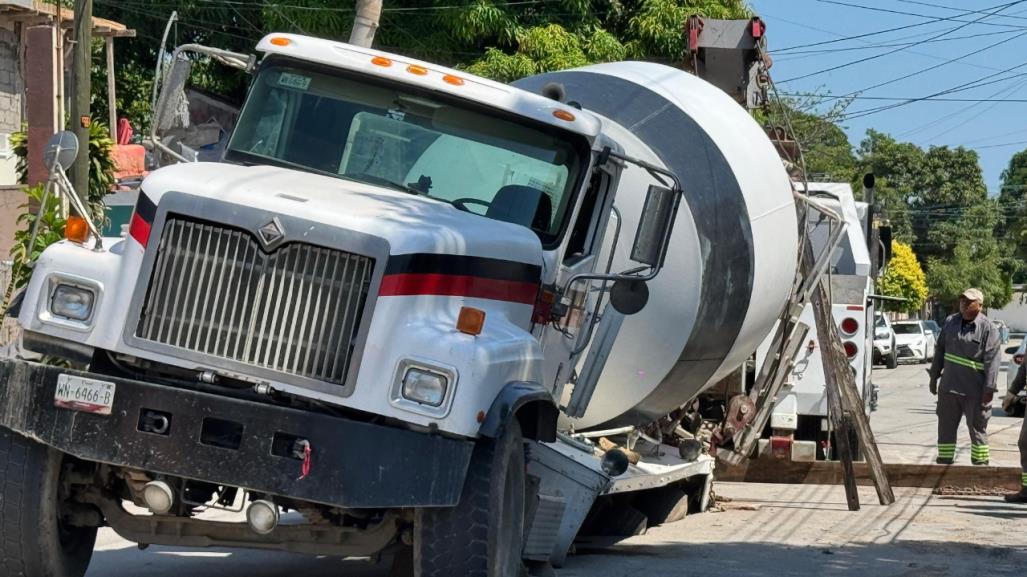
(239, 443)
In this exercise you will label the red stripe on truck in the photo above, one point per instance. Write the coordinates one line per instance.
(409, 284)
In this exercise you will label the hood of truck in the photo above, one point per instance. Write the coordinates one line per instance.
(408, 223)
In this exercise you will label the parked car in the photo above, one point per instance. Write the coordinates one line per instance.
(914, 340)
(1016, 407)
(934, 328)
(884, 342)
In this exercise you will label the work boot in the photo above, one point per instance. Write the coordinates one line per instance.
(943, 460)
(1020, 497)
(979, 462)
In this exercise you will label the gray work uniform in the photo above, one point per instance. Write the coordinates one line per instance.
(966, 359)
(1019, 381)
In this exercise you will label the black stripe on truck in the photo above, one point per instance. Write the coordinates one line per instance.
(718, 208)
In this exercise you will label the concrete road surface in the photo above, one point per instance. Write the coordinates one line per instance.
(765, 530)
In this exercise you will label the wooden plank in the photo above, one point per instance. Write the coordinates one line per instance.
(835, 370)
(770, 470)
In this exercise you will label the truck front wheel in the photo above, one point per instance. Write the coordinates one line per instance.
(482, 536)
(34, 542)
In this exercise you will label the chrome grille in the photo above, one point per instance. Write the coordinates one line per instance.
(214, 291)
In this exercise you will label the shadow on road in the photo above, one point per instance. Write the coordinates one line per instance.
(901, 559)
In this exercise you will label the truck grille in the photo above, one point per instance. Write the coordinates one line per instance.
(214, 291)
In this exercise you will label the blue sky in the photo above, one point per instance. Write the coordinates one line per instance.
(997, 73)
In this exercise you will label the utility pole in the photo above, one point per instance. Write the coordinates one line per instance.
(81, 64)
(366, 22)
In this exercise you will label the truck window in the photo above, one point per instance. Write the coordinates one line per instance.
(421, 143)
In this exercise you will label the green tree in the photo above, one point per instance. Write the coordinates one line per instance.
(826, 149)
(976, 258)
(1012, 201)
(903, 278)
(496, 38)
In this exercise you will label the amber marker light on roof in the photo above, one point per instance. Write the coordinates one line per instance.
(454, 80)
(279, 41)
(563, 115)
(418, 70)
(381, 61)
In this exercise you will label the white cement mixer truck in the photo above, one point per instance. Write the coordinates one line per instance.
(411, 312)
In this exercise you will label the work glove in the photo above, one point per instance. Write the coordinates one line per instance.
(933, 385)
(987, 396)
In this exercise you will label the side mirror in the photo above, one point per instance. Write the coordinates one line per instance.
(61, 150)
(654, 226)
(172, 105)
(629, 296)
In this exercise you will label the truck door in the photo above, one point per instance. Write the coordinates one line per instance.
(564, 339)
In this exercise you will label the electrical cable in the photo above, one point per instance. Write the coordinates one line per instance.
(954, 19)
(890, 52)
(954, 9)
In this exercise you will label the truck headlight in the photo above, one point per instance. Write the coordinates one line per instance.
(425, 387)
(72, 302)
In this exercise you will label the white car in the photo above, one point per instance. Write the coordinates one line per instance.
(914, 340)
(884, 342)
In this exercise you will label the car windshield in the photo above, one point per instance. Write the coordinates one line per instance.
(417, 142)
(906, 328)
(879, 322)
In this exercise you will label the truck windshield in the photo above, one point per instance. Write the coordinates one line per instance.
(405, 139)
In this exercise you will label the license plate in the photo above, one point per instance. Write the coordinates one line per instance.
(85, 395)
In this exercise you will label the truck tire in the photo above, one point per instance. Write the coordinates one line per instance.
(482, 536)
(33, 541)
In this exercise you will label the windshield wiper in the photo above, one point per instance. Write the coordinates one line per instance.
(372, 179)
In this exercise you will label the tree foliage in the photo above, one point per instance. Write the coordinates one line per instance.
(494, 38)
(903, 278)
(976, 258)
(1012, 201)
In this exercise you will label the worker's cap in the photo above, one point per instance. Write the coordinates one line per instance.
(972, 294)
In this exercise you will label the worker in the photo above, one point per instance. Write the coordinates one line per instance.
(1014, 389)
(966, 360)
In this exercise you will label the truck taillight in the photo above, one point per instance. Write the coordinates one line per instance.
(849, 326)
(850, 349)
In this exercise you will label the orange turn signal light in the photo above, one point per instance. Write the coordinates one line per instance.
(76, 229)
(279, 41)
(418, 70)
(381, 61)
(454, 80)
(563, 115)
(471, 321)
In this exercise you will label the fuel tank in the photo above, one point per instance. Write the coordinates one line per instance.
(733, 252)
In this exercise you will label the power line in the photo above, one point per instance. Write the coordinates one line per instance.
(955, 19)
(934, 67)
(954, 9)
(996, 100)
(966, 85)
(809, 53)
(909, 50)
(890, 52)
(847, 38)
